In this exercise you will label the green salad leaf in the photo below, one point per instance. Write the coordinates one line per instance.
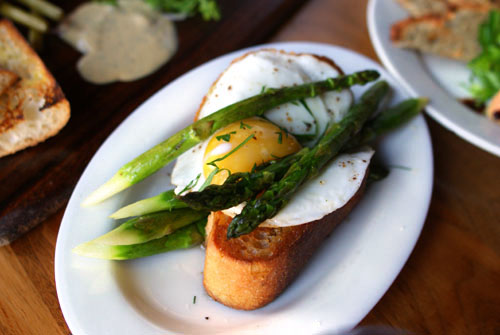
(485, 81)
(208, 9)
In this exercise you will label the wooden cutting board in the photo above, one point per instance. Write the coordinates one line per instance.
(35, 183)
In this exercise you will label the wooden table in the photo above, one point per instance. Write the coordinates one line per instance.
(451, 283)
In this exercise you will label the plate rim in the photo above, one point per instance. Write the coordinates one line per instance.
(473, 137)
(73, 324)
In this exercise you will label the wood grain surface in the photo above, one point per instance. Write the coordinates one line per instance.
(450, 284)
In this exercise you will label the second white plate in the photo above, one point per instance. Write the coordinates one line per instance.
(155, 295)
(438, 79)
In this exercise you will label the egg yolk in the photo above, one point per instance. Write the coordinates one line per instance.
(264, 141)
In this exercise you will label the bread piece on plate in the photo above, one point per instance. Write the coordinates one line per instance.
(32, 105)
(453, 35)
(424, 7)
(418, 8)
(250, 271)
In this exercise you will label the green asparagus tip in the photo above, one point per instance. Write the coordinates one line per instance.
(94, 250)
(111, 187)
(165, 201)
(422, 102)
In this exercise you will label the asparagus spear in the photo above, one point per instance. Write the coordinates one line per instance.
(278, 195)
(388, 120)
(158, 156)
(240, 187)
(44, 8)
(165, 201)
(182, 238)
(149, 227)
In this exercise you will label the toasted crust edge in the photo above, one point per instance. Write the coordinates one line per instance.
(250, 284)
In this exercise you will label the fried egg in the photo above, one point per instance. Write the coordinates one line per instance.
(243, 144)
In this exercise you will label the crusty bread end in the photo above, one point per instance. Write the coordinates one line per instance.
(32, 105)
(453, 35)
(418, 8)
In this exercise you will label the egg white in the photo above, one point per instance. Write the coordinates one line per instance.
(329, 190)
(263, 69)
(274, 69)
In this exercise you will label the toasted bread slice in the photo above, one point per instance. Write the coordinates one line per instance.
(424, 7)
(250, 271)
(453, 35)
(7, 79)
(32, 105)
(418, 8)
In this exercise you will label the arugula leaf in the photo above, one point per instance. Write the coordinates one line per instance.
(208, 9)
(485, 81)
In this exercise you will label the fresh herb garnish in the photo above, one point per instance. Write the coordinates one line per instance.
(485, 81)
(263, 89)
(208, 9)
(212, 163)
(244, 125)
(108, 2)
(225, 137)
(191, 184)
(400, 167)
(280, 137)
(211, 176)
(194, 300)
(316, 123)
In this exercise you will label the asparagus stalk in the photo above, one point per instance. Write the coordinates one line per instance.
(377, 172)
(20, 16)
(149, 227)
(388, 120)
(336, 136)
(44, 8)
(240, 187)
(165, 201)
(182, 238)
(163, 153)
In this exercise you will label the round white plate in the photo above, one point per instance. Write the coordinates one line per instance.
(154, 295)
(439, 79)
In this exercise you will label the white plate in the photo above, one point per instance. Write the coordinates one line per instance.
(154, 295)
(440, 79)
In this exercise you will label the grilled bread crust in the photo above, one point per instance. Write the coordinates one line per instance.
(452, 35)
(32, 105)
(418, 8)
(250, 271)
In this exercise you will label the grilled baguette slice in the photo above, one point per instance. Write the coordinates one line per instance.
(453, 35)
(250, 271)
(32, 105)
